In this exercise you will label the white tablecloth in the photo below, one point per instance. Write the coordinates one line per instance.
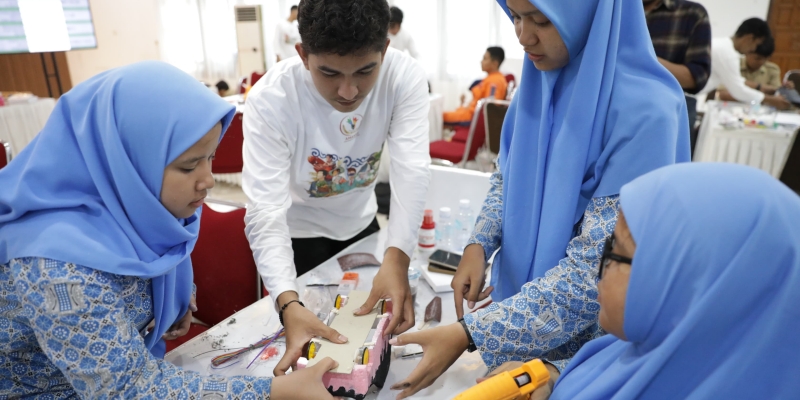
(20, 123)
(250, 325)
(765, 149)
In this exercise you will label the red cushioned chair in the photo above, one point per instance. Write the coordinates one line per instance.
(229, 152)
(254, 77)
(466, 142)
(5, 155)
(224, 270)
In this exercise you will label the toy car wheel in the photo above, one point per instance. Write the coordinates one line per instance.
(310, 350)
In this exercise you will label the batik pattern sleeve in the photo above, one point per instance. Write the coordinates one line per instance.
(488, 225)
(78, 318)
(554, 315)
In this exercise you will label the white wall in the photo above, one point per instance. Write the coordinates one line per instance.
(727, 15)
(127, 31)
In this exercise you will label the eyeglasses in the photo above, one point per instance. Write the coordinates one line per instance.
(607, 256)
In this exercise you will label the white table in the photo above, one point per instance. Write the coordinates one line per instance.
(448, 186)
(765, 149)
(20, 123)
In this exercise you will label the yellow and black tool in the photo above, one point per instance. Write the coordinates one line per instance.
(509, 385)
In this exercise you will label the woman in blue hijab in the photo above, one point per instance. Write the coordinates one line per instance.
(98, 217)
(594, 110)
(706, 306)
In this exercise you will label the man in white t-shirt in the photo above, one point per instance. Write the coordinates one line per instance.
(726, 55)
(287, 36)
(400, 39)
(314, 127)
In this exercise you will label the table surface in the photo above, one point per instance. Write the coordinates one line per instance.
(260, 319)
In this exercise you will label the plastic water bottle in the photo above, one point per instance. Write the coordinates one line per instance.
(444, 230)
(464, 224)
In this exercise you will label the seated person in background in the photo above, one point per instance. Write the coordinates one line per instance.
(222, 88)
(398, 38)
(726, 64)
(494, 83)
(759, 73)
(98, 217)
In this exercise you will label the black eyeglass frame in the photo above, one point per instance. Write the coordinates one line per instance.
(608, 256)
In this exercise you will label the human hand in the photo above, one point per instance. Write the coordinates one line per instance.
(441, 347)
(392, 282)
(301, 326)
(181, 327)
(778, 102)
(542, 393)
(304, 383)
(789, 85)
(469, 279)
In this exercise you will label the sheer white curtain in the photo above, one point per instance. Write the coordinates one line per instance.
(199, 36)
(451, 37)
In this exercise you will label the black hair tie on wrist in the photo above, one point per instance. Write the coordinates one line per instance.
(280, 313)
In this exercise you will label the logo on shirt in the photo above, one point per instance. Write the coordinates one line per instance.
(349, 126)
(334, 175)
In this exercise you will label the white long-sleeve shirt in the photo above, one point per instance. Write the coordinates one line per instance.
(309, 170)
(403, 42)
(286, 36)
(725, 70)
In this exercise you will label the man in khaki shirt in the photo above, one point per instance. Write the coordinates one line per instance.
(761, 74)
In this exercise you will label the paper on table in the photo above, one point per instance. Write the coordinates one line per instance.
(788, 119)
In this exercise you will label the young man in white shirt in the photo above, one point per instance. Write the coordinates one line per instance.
(287, 36)
(400, 39)
(726, 55)
(314, 127)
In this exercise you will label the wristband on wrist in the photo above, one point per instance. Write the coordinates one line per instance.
(471, 346)
(280, 313)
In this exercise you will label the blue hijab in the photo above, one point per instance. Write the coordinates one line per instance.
(610, 115)
(712, 304)
(87, 189)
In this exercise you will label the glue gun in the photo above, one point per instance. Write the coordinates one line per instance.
(509, 385)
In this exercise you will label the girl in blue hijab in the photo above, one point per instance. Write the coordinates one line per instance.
(705, 306)
(98, 217)
(594, 110)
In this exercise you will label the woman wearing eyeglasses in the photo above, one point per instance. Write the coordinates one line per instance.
(594, 110)
(698, 290)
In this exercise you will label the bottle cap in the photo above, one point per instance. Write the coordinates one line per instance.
(427, 219)
(464, 203)
(444, 212)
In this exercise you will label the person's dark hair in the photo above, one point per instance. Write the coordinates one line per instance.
(497, 54)
(222, 86)
(397, 16)
(766, 48)
(293, 8)
(755, 26)
(343, 27)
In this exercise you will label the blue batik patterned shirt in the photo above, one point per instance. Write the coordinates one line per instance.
(553, 316)
(67, 331)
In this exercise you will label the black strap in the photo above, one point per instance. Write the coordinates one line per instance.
(280, 313)
(471, 346)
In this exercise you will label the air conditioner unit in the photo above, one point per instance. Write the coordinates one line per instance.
(250, 39)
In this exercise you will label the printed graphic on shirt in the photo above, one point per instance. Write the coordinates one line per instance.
(349, 126)
(334, 175)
